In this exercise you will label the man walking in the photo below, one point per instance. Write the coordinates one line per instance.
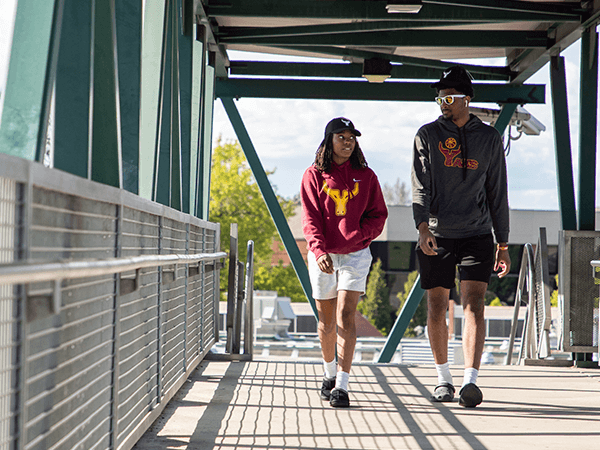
(459, 187)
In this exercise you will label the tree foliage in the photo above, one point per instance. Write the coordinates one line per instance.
(236, 198)
(420, 316)
(280, 278)
(376, 304)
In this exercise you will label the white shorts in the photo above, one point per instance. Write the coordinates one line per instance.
(350, 274)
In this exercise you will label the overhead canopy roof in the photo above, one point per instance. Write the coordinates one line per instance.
(418, 45)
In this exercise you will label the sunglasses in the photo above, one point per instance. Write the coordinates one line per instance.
(448, 99)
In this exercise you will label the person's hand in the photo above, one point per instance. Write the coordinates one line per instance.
(502, 260)
(325, 263)
(427, 242)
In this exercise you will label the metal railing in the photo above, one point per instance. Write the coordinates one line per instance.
(534, 282)
(108, 302)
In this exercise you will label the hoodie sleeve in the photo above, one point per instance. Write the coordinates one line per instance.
(373, 219)
(497, 191)
(312, 219)
(421, 179)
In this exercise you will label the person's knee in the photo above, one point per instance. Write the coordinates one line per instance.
(474, 304)
(346, 318)
(326, 327)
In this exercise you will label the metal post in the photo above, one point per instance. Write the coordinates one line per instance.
(249, 297)
(231, 286)
(562, 143)
(506, 113)
(588, 115)
(239, 307)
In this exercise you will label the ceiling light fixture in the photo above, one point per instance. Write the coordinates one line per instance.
(410, 7)
(377, 70)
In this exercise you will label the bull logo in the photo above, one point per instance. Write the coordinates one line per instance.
(340, 197)
(451, 152)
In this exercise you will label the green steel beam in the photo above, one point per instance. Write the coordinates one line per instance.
(175, 125)
(270, 199)
(506, 113)
(129, 45)
(233, 33)
(375, 10)
(208, 110)
(588, 126)
(407, 38)
(406, 60)
(106, 155)
(562, 143)
(186, 71)
(363, 90)
(72, 143)
(31, 74)
(404, 318)
(338, 70)
(568, 9)
(162, 159)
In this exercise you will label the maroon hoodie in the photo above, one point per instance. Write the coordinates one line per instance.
(342, 211)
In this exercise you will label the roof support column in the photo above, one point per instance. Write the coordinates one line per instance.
(562, 143)
(588, 104)
(270, 199)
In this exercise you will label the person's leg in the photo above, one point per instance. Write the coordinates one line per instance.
(437, 328)
(346, 333)
(326, 327)
(472, 299)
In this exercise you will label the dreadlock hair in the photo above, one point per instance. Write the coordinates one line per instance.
(324, 156)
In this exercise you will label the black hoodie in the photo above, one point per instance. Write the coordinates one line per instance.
(458, 180)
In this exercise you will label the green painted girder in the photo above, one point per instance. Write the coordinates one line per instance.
(406, 314)
(270, 199)
(72, 103)
(406, 60)
(106, 155)
(588, 126)
(363, 90)
(338, 70)
(31, 73)
(375, 10)
(409, 38)
(233, 33)
(563, 8)
(562, 143)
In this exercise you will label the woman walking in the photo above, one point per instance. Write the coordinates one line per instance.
(343, 210)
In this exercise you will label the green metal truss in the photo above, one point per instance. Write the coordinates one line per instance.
(363, 90)
(376, 10)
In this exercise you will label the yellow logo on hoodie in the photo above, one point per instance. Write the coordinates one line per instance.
(340, 198)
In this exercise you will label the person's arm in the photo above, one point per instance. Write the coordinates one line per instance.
(373, 219)
(427, 242)
(497, 194)
(421, 180)
(312, 217)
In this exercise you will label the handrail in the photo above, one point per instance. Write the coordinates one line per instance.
(525, 274)
(16, 273)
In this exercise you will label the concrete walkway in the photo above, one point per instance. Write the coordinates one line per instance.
(275, 405)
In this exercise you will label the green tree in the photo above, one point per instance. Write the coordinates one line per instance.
(420, 316)
(280, 278)
(376, 304)
(236, 198)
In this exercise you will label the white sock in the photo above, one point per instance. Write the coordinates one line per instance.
(330, 368)
(470, 376)
(443, 372)
(341, 380)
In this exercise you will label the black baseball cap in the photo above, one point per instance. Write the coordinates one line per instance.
(340, 124)
(456, 77)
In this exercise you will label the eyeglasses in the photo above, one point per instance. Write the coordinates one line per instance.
(342, 138)
(448, 99)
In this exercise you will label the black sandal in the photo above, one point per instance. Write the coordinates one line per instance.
(443, 392)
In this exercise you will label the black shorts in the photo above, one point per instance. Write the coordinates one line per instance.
(474, 257)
